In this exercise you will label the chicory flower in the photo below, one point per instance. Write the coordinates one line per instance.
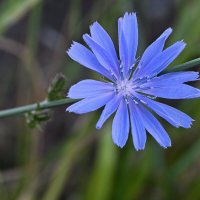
(132, 84)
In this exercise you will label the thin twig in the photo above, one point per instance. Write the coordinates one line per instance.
(36, 106)
(184, 66)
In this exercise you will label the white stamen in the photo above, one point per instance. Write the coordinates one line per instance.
(143, 101)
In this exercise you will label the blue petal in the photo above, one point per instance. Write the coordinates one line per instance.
(128, 27)
(123, 49)
(154, 127)
(137, 127)
(90, 104)
(181, 91)
(109, 109)
(162, 60)
(89, 88)
(153, 50)
(102, 55)
(170, 114)
(120, 126)
(85, 57)
(173, 78)
(103, 39)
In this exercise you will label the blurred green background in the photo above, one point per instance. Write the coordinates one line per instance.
(67, 158)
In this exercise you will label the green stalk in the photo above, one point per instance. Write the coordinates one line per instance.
(184, 66)
(36, 106)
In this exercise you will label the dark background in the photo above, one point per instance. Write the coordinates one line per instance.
(66, 157)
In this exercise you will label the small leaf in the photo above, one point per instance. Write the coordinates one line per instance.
(35, 118)
(57, 88)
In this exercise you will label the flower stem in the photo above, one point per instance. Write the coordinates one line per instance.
(36, 106)
(184, 66)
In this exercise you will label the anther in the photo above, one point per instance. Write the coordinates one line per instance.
(143, 102)
(121, 74)
(131, 67)
(126, 99)
(133, 98)
(113, 76)
(151, 97)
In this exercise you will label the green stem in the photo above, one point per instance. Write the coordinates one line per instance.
(36, 106)
(184, 66)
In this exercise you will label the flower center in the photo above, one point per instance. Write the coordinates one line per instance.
(125, 87)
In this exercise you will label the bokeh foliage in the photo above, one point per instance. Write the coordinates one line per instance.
(67, 158)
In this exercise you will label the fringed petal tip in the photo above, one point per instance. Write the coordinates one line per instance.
(140, 149)
(195, 95)
(179, 46)
(198, 74)
(72, 109)
(189, 125)
(167, 146)
(182, 43)
(71, 47)
(180, 126)
(119, 145)
(129, 14)
(93, 24)
(195, 76)
(68, 110)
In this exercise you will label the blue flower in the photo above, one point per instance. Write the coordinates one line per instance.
(133, 84)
